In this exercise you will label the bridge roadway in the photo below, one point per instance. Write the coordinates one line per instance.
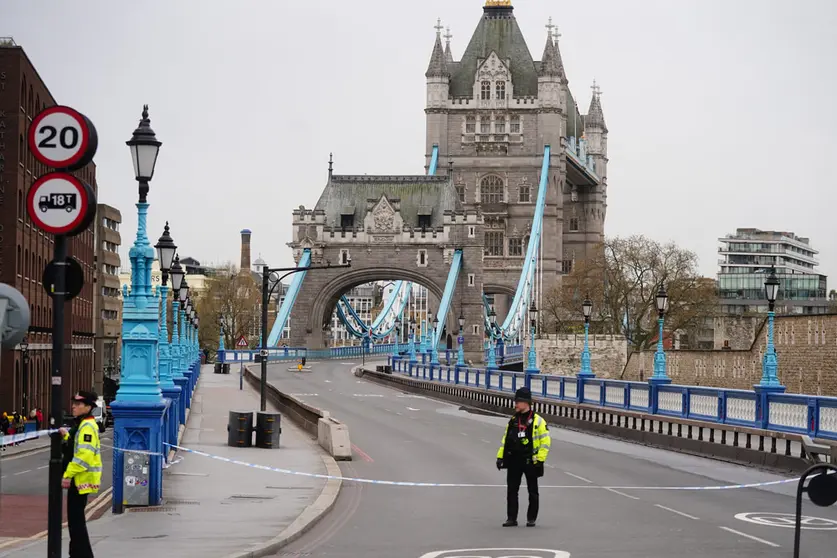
(398, 436)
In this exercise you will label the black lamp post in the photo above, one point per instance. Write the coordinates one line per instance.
(24, 354)
(587, 309)
(144, 150)
(660, 355)
(166, 249)
(532, 366)
(177, 275)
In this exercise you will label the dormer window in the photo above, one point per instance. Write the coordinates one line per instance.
(500, 90)
(424, 222)
(347, 221)
(485, 94)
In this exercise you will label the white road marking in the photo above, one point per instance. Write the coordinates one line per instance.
(367, 395)
(22, 472)
(621, 493)
(412, 409)
(492, 552)
(751, 537)
(400, 414)
(788, 521)
(328, 381)
(43, 467)
(578, 477)
(677, 512)
(464, 433)
(485, 441)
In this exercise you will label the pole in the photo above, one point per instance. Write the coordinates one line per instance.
(25, 382)
(263, 358)
(56, 496)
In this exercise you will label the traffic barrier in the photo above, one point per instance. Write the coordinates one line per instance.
(240, 429)
(335, 439)
(752, 446)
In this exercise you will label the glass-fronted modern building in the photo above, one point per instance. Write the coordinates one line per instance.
(747, 257)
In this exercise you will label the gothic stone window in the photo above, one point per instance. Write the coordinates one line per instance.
(470, 125)
(485, 90)
(515, 247)
(491, 189)
(514, 126)
(566, 267)
(524, 194)
(485, 125)
(500, 126)
(460, 191)
(501, 90)
(573, 224)
(494, 243)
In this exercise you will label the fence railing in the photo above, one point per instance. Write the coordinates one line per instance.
(815, 416)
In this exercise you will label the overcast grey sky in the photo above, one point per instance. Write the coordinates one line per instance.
(721, 113)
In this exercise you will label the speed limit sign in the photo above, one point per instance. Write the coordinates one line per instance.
(61, 204)
(62, 138)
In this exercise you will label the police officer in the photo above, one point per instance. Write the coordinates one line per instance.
(523, 452)
(82, 469)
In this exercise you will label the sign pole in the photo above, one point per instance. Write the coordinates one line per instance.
(57, 407)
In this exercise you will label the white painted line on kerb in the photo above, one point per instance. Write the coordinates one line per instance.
(622, 494)
(582, 479)
(22, 472)
(43, 467)
(677, 512)
(751, 537)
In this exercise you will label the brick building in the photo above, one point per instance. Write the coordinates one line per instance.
(25, 251)
(107, 308)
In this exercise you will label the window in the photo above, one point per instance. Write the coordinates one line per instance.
(494, 243)
(524, 194)
(472, 231)
(514, 126)
(344, 257)
(501, 90)
(485, 125)
(573, 224)
(470, 125)
(500, 126)
(424, 222)
(491, 189)
(421, 258)
(460, 192)
(471, 278)
(566, 266)
(515, 247)
(476, 330)
(485, 90)
(347, 221)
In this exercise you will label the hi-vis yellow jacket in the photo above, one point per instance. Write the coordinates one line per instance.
(541, 440)
(86, 467)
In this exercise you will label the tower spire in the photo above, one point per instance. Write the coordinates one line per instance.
(595, 114)
(438, 66)
(448, 53)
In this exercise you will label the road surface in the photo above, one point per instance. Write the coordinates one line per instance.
(398, 436)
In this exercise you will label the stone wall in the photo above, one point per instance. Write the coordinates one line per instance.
(561, 355)
(806, 348)
(736, 332)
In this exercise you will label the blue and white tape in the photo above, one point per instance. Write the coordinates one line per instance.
(6, 440)
(10, 439)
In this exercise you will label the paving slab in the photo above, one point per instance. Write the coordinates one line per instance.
(212, 508)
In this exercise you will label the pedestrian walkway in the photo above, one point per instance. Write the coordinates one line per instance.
(215, 509)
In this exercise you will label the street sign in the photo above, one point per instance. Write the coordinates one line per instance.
(460, 339)
(73, 281)
(14, 316)
(62, 138)
(242, 342)
(60, 203)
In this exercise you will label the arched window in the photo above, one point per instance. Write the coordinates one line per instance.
(31, 103)
(491, 189)
(500, 90)
(524, 194)
(20, 211)
(485, 90)
(23, 94)
(19, 261)
(460, 192)
(25, 272)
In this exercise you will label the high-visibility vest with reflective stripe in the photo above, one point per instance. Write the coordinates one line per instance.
(541, 441)
(86, 467)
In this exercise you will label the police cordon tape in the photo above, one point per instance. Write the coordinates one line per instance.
(407, 483)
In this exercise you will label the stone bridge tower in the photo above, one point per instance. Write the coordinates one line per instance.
(392, 228)
(491, 113)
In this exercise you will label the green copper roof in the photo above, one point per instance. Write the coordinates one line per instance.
(497, 31)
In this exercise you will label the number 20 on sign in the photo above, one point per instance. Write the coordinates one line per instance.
(62, 138)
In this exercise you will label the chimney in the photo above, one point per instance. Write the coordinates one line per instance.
(245, 250)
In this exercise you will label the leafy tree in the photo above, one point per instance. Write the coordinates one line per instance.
(622, 282)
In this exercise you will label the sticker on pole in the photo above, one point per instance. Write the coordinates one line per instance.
(62, 138)
(59, 203)
(242, 342)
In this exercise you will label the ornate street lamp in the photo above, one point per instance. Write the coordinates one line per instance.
(144, 150)
(460, 349)
(413, 358)
(166, 249)
(532, 365)
(660, 375)
(397, 334)
(770, 365)
(434, 349)
(24, 357)
(587, 310)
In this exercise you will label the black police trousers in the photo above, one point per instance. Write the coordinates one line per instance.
(514, 474)
(77, 524)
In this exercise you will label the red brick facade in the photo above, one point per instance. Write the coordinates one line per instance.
(25, 251)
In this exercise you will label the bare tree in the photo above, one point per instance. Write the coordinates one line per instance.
(622, 282)
(229, 301)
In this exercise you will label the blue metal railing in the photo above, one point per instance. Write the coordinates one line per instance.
(296, 353)
(802, 414)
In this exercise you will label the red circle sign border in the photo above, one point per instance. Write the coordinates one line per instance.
(82, 194)
(85, 136)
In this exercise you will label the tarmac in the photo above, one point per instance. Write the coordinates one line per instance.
(215, 509)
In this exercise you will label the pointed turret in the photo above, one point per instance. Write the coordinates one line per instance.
(438, 66)
(551, 60)
(448, 53)
(595, 115)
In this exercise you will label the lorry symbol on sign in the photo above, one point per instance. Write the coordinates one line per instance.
(68, 202)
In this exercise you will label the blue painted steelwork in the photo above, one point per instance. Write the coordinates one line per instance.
(401, 294)
(511, 325)
(801, 414)
(770, 366)
(586, 369)
(434, 161)
(447, 296)
(290, 299)
(660, 358)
